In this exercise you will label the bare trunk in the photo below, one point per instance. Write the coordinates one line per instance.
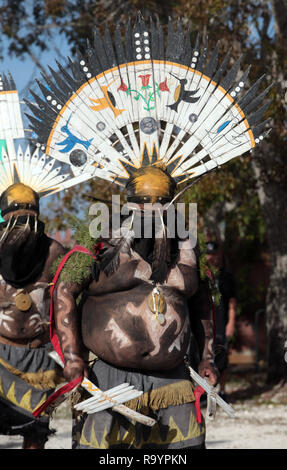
(273, 197)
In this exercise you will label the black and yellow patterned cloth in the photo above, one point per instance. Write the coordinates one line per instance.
(168, 398)
(27, 378)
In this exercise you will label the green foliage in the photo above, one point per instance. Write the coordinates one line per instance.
(78, 266)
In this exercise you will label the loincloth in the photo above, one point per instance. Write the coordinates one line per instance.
(27, 378)
(168, 397)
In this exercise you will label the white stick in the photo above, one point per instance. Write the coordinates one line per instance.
(108, 404)
(98, 394)
(210, 391)
(104, 396)
(120, 408)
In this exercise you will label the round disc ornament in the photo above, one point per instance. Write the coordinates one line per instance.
(23, 301)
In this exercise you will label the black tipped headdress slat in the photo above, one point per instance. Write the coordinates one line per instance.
(43, 106)
(16, 178)
(42, 115)
(178, 46)
(259, 129)
(154, 157)
(100, 51)
(145, 159)
(251, 93)
(179, 179)
(203, 57)
(197, 43)
(161, 55)
(170, 41)
(244, 76)
(46, 108)
(139, 26)
(62, 97)
(256, 101)
(155, 54)
(140, 34)
(222, 68)
(258, 115)
(109, 48)
(212, 63)
(157, 41)
(239, 85)
(84, 67)
(35, 110)
(137, 29)
(93, 61)
(12, 84)
(120, 52)
(44, 90)
(231, 75)
(78, 75)
(129, 168)
(130, 53)
(69, 79)
(39, 128)
(187, 54)
(171, 166)
(62, 86)
(6, 83)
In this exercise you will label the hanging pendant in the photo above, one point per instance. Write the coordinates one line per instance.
(157, 305)
(23, 301)
(160, 318)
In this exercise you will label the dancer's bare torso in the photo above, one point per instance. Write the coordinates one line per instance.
(24, 312)
(117, 323)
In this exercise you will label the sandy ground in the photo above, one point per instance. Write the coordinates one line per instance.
(260, 423)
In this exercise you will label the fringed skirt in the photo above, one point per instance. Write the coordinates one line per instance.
(168, 398)
(27, 378)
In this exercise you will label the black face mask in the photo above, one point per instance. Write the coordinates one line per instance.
(161, 253)
(24, 248)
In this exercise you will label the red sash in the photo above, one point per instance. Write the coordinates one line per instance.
(53, 334)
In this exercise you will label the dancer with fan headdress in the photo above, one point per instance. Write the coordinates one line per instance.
(27, 373)
(151, 116)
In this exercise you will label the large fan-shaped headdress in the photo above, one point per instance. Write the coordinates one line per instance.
(142, 101)
(24, 176)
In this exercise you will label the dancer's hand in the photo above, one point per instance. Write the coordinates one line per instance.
(208, 370)
(74, 369)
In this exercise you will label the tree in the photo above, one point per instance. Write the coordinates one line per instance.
(250, 24)
(270, 168)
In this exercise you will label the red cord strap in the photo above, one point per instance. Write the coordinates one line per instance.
(198, 391)
(53, 334)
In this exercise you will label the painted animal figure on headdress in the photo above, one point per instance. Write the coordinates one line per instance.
(150, 114)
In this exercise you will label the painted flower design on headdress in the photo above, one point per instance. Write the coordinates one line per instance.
(145, 92)
(145, 80)
(123, 86)
(163, 85)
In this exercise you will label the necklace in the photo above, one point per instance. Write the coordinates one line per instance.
(157, 305)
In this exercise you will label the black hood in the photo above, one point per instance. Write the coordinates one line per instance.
(24, 249)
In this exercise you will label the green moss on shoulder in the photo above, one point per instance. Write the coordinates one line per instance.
(78, 266)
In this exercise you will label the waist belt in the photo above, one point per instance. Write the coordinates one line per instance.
(31, 343)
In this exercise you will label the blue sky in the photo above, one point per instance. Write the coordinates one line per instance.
(24, 69)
